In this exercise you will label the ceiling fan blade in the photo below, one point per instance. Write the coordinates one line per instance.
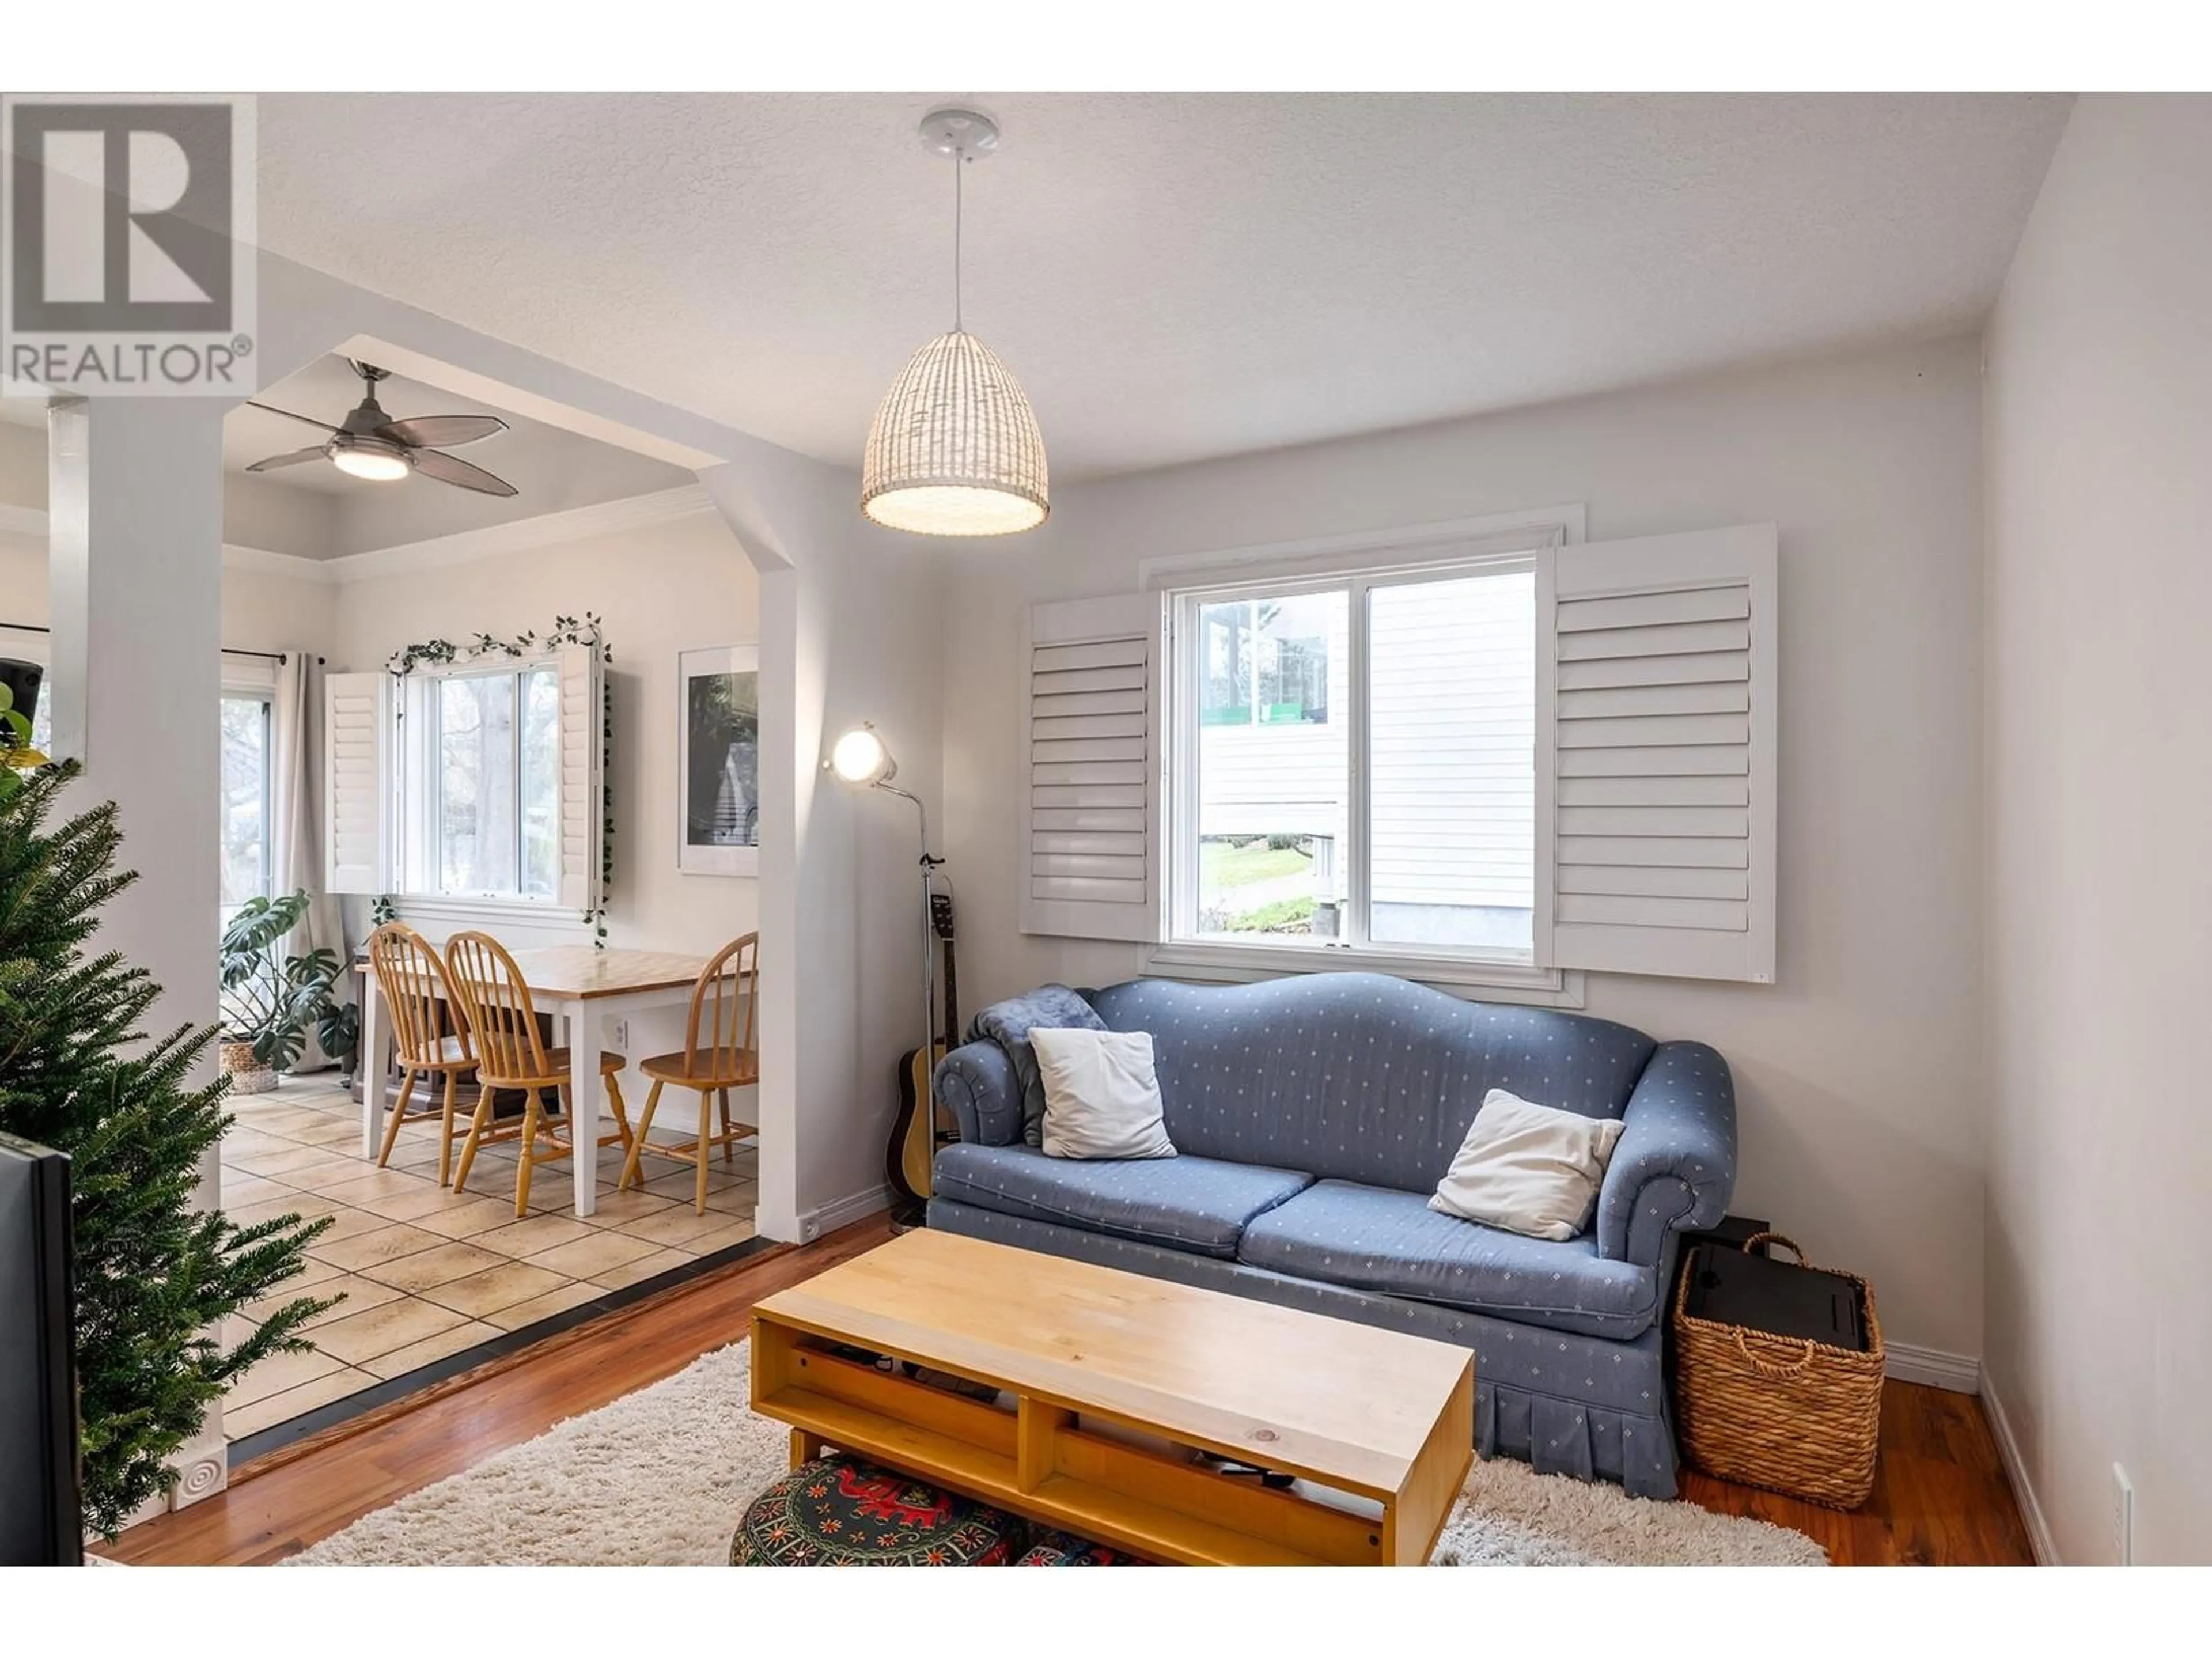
(430, 463)
(442, 431)
(293, 459)
(304, 420)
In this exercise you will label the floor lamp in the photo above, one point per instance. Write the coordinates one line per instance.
(861, 761)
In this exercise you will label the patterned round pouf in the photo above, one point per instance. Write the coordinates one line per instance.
(1065, 1549)
(840, 1512)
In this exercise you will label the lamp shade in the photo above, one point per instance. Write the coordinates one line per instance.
(954, 449)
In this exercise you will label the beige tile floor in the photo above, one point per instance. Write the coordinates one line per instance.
(425, 1273)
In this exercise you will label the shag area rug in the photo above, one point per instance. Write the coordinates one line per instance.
(659, 1478)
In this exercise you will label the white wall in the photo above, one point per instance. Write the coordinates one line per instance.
(2099, 490)
(1858, 1073)
(268, 608)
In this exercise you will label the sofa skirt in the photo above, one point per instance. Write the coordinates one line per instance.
(1584, 1406)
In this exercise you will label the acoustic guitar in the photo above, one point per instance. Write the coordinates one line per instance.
(916, 1134)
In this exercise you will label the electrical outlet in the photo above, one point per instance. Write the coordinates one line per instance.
(2124, 1517)
(622, 1036)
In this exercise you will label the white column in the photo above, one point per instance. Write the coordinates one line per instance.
(787, 784)
(135, 502)
(846, 613)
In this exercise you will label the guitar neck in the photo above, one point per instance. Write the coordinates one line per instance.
(940, 918)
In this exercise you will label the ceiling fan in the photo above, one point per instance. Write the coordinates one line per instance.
(370, 444)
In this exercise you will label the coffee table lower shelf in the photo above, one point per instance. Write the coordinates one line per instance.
(1041, 1460)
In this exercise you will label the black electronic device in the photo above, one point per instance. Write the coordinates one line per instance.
(41, 1519)
(1766, 1293)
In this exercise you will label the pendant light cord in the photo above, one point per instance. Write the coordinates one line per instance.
(958, 156)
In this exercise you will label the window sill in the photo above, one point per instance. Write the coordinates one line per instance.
(1471, 979)
(542, 912)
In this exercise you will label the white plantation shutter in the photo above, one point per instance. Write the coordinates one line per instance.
(357, 782)
(1089, 763)
(1656, 853)
(582, 784)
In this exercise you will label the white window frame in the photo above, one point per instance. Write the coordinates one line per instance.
(25, 645)
(413, 787)
(255, 681)
(1357, 564)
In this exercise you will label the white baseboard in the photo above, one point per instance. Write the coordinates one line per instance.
(855, 1207)
(1959, 1373)
(2023, 1491)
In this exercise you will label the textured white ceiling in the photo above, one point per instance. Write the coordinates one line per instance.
(1173, 276)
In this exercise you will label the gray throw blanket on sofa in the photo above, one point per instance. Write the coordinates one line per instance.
(1009, 1024)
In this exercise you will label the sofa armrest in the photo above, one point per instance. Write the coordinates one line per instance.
(977, 1082)
(1674, 1168)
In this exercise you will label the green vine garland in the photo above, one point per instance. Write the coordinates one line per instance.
(566, 631)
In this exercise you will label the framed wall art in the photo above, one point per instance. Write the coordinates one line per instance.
(718, 761)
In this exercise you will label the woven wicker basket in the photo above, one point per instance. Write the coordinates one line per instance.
(247, 1075)
(1783, 1412)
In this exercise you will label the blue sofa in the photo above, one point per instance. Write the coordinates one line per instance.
(1312, 1117)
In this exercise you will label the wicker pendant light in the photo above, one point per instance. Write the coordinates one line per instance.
(954, 449)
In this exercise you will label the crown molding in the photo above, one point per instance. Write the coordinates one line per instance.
(573, 524)
(267, 561)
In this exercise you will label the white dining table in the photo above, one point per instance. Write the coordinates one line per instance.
(583, 987)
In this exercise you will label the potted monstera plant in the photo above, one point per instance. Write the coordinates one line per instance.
(271, 1000)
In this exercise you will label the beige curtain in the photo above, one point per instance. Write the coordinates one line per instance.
(296, 847)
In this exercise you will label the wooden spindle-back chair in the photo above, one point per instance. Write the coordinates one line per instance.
(412, 980)
(512, 1054)
(722, 1052)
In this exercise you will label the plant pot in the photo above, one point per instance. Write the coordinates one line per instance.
(247, 1075)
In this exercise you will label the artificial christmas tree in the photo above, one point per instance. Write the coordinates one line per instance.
(155, 1274)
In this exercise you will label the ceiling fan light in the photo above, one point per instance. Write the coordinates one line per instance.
(378, 463)
(954, 449)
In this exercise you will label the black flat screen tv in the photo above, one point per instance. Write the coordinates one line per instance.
(41, 1519)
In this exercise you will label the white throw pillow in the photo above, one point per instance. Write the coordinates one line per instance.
(1102, 1098)
(1528, 1169)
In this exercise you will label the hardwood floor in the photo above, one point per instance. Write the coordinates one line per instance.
(1941, 1498)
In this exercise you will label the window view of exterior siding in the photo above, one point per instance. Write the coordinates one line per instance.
(1452, 671)
(1451, 709)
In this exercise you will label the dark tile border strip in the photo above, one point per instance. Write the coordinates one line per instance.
(277, 1436)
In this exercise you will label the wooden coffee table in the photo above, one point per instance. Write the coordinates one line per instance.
(1113, 1377)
